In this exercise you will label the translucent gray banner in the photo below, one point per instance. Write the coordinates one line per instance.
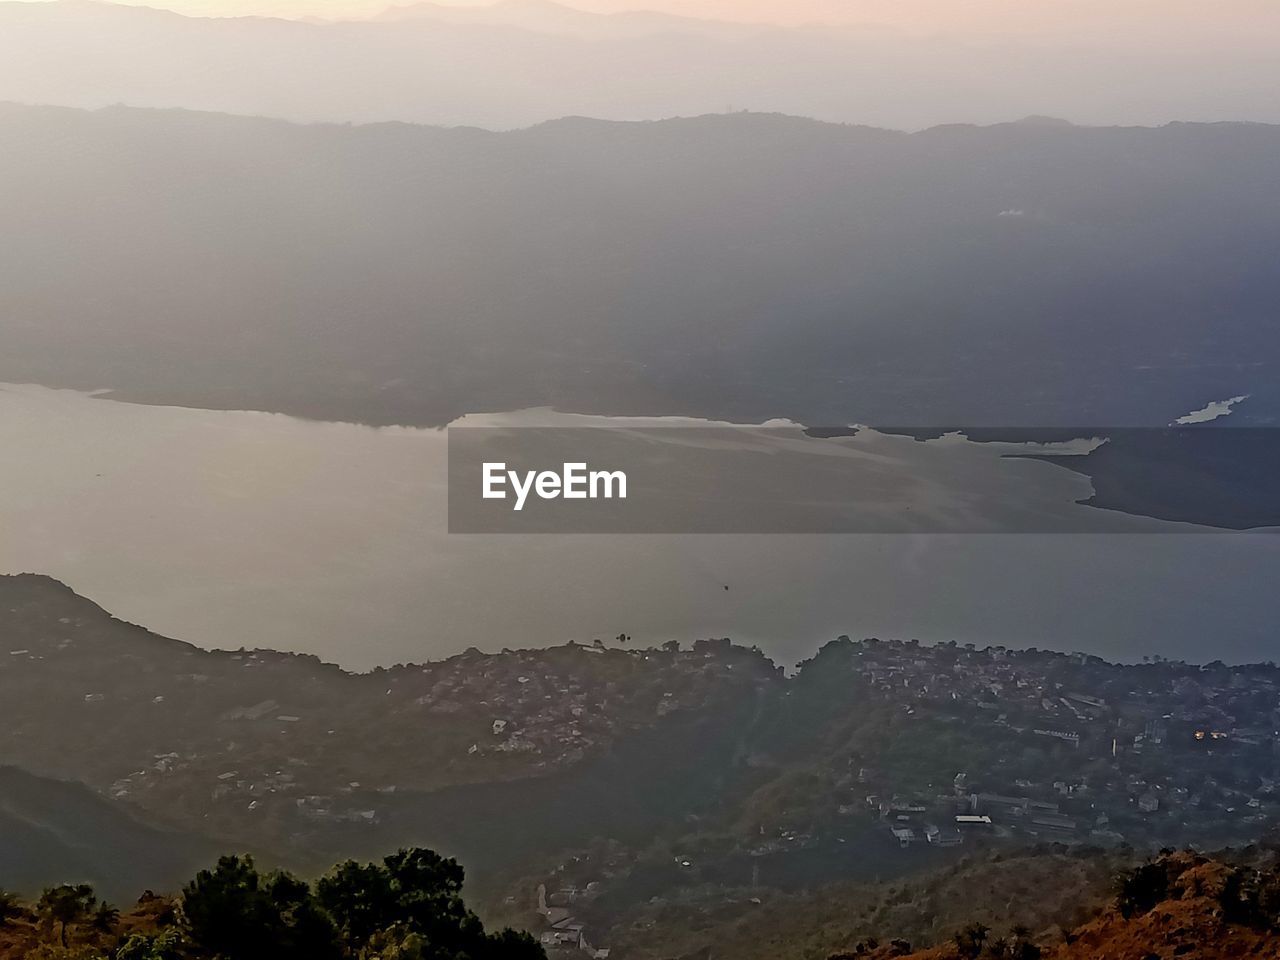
(789, 479)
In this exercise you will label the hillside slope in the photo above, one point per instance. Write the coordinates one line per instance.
(1044, 889)
(273, 750)
(1181, 905)
(56, 832)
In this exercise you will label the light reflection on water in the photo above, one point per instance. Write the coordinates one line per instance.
(238, 529)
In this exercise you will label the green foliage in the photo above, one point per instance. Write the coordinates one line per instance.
(411, 906)
(398, 944)
(162, 946)
(236, 913)
(359, 898)
(408, 907)
(105, 917)
(54, 951)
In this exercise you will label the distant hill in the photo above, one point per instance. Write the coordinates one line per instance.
(56, 832)
(740, 267)
(520, 62)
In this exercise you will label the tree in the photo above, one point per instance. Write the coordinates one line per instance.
(10, 907)
(516, 945)
(410, 906)
(66, 904)
(1142, 889)
(236, 913)
(1022, 947)
(428, 901)
(105, 917)
(226, 912)
(306, 931)
(359, 898)
(969, 941)
(1269, 898)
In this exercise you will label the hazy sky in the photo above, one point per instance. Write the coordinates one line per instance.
(1184, 16)
(780, 11)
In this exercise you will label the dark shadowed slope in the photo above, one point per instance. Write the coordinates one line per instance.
(57, 832)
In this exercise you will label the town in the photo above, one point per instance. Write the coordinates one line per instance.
(616, 774)
(1071, 748)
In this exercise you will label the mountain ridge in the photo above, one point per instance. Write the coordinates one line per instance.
(1031, 121)
(733, 267)
(500, 74)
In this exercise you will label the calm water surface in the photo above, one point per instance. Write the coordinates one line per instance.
(233, 529)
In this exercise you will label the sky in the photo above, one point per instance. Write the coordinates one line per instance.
(1184, 16)
(769, 11)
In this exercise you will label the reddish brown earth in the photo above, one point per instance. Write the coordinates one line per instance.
(1190, 923)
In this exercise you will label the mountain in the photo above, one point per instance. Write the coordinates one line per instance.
(738, 267)
(57, 832)
(679, 772)
(523, 62)
(271, 751)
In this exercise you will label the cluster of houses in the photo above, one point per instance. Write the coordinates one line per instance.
(1149, 747)
(563, 931)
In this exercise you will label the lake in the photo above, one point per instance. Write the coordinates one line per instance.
(232, 529)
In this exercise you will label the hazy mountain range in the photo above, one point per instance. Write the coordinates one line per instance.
(525, 61)
(739, 266)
